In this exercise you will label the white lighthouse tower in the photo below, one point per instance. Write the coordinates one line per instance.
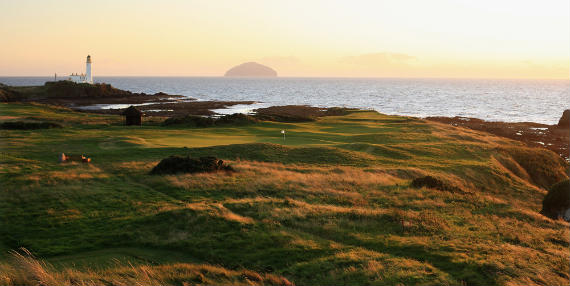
(88, 77)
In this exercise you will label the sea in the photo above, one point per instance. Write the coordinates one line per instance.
(516, 100)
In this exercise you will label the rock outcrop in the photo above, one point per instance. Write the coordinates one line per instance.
(565, 119)
(71, 89)
(556, 204)
(251, 69)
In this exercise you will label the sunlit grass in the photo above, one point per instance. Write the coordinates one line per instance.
(332, 204)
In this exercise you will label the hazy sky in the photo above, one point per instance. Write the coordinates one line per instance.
(396, 38)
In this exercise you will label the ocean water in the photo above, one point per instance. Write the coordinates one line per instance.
(541, 101)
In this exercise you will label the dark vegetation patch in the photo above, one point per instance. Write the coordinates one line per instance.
(297, 113)
(190, 120)
(435, 183)
(557, 201)
(200, 121)
(7, 94)
(176, 164)
(25, 125)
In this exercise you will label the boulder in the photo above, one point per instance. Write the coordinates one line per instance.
(177, 164)
(565, 119)
(556, 203)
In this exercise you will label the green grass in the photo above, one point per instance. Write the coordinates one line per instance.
(332, 204)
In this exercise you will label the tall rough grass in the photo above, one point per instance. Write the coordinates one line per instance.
(25, 269)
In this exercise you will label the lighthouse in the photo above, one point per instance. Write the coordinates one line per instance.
(88, 77)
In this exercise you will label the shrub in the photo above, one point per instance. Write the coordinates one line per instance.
(236, 118)
(434, 183)
(190, 120)
(199, 121)
(177, 164)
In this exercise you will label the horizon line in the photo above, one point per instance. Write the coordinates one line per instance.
(311, 77)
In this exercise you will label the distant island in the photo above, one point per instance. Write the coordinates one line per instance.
(251, 69)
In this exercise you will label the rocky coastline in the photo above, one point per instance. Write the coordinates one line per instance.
(552, 137)
(91, 98)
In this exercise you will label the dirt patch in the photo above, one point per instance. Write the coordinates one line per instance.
(177, 164)
(551, 137)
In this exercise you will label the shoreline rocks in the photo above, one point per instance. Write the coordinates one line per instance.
(551, 137)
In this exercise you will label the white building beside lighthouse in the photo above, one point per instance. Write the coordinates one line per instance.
(86, 77)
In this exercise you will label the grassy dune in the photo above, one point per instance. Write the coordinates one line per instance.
(330, 205)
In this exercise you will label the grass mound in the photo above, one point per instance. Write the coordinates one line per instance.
(175, 164)
(557, 201)
(268, 152)
(24, 125)
(435, 183)
(544, 167)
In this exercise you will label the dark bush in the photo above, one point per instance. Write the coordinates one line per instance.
(7, 94)
(557, 201)
(190, 120)
(23, 125)
(177, 164)
(336, 111)
(199, 121)
(236, 118)
(434, 183)
(297, 113)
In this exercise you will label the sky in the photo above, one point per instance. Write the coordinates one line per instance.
(298, 38)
